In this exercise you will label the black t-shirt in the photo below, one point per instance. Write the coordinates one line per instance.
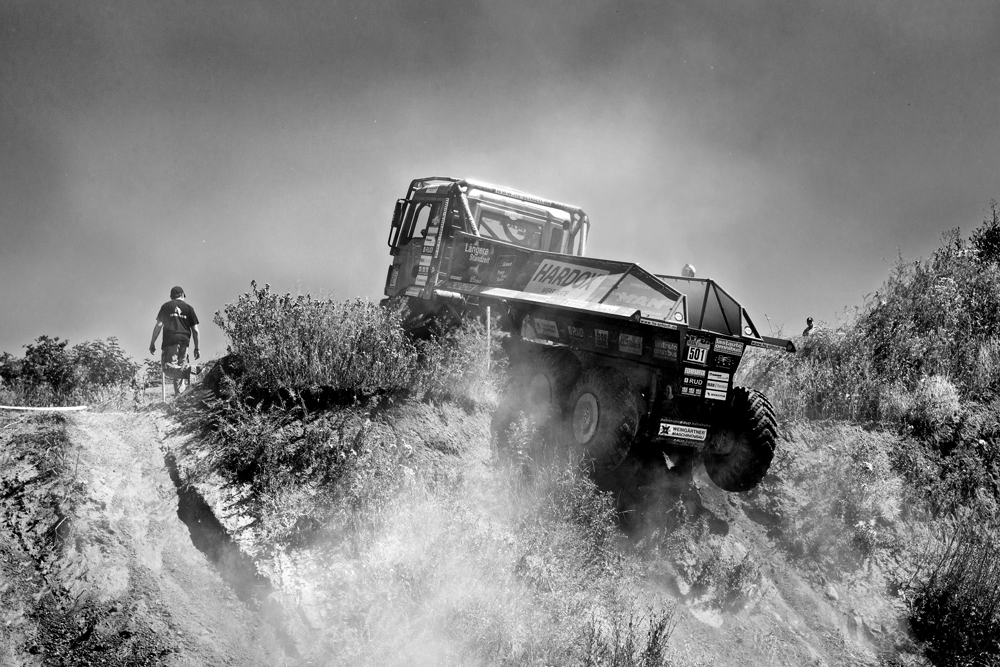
(177, 318)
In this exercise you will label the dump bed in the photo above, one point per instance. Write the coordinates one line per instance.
(497, 270)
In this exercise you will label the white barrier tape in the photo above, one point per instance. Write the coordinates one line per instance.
(57, 409)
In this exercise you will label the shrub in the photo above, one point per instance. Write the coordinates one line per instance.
(299, 343)
(955, 607)
(935, 320)
(102, 363)
(459, 364)
(52, 373)
(934, 409)
(47, 363)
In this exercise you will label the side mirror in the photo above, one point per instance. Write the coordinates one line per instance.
(397, 222)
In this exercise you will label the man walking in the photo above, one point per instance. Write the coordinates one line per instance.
(179, 323)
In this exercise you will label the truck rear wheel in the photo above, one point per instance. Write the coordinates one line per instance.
(740, 447)
(536, 393)
(602, 417)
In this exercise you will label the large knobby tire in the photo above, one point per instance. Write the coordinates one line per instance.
(741, 445)
(534, 398)
(602, 417)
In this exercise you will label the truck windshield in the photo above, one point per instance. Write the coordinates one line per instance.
(522, 223)
(511, 227)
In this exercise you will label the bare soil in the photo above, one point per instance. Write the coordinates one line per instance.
(97, 567)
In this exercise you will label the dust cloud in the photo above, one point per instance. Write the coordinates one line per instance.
(473, 563)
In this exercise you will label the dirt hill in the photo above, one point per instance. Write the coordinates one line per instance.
(97, 564)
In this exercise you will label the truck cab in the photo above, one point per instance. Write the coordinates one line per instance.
(435, 209)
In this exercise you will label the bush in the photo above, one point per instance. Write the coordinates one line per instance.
(458, 364)
(933, 321)
(52, 373)
(301, 343)
(102, 363)
(955, 608)
(934, 409)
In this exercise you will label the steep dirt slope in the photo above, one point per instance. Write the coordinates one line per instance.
(95, 564)
(96, 567)
(820, 599)
(798, 612)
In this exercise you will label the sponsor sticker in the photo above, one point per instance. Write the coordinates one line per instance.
(601, 338)
(695, 372)
(664, 349)
(658, 323)
(423, 270)
(394, 275)
(720, 377)
(716, 395)
(718, 386)
(478, 254)
(546, 328)
(421, 280)
(413, 291)
(629, 343)
(729, 347)
(694, 382)
(633, 292)
(697, 350)
(724, 361)
(683, 432)
(566, 280)
(691, 391)
(576, 332)
(505, 263)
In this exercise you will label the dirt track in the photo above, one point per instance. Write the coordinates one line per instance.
(95, 564)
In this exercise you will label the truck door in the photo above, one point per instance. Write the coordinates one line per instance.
(412, 262)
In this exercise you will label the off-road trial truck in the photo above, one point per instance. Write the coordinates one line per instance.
(609, 356)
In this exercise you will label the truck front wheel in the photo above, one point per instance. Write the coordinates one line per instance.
(602, 417)
(741, 445)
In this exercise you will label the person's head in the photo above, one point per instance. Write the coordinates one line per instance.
(177, 292)
(809, 320)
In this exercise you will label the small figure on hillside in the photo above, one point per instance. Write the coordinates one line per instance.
(688, 271)
(179, 323)
(809, 327)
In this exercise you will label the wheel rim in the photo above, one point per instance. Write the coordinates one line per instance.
(586, 415)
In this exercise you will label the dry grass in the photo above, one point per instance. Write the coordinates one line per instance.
(486, 571)
(955, 606)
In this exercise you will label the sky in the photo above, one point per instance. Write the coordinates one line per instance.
(788, 150)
